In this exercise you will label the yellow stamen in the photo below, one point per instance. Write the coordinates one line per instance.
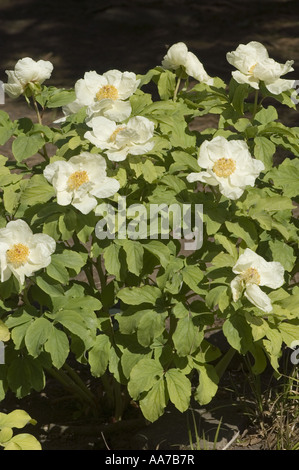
(77, 179)
(112, 138)
(107, 91)
(251, 276)
(224, 167)
(250, 71)
(18, 254)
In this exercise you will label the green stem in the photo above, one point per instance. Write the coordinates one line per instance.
(70, 385)
(40, 121)
(176, 89)
(37, 111)
(255, 105)
(118, 401)
(73, 374)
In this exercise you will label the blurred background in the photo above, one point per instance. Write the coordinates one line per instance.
(133, 35)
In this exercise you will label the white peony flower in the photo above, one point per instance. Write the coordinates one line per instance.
(254, 65)
(80, 180)
(26, 71)
(178, 56)
(254, 271)
(134, 138)
(105, 95)
(22, 253)
(228, 164)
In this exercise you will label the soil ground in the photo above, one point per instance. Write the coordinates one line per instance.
(134, 35)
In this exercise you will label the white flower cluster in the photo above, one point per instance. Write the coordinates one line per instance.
(228, 164)
(254, 66)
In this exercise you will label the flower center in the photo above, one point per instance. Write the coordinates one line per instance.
(18, 254)
(113, 136)
(251, 276)
(77, 179)
(251, 70)
(107, 91)
(224, 167)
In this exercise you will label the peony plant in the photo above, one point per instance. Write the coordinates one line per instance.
(136, 310)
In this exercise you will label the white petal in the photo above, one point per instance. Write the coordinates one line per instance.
(117, 155)
(202, 176)
(143, 127)
(194, 68)
(16, 231)
(85, 204)
(237, 288)
(246, 260)
(258, 298)
(249, 79)
(280, 85)
(229, 191)
(271, 274)
(117, 110)
(105, 188)
(86, 88)
(176, 56)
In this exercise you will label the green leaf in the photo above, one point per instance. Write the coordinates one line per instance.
(218, 296)
(56, 270)
(289, 332)
(15, 419)
(286, 177)
(60, 98)
(208, 384)
(154, 402)
(264, 150)
(37, 191)
(139, 295)
(186, 337)
(37, 334)
(57, 346)
(73, 321)
(244, 229)
(166, 84)
(23, 441)
(72, 259)
(151, 325)
(24, 374)
(46, 284)
(266, 115)
(158, 249)
(112, 261)
(238, 333)
(283, 253)
(98, 355)
(192, 275)
(143, 376)
(179, 389)
(134, 251)
(25, 146)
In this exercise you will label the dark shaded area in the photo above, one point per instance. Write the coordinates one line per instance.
(133, 35)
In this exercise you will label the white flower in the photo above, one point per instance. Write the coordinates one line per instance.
(228, 164)
(26, 71)
(80, 180)
(178, 56)
(254, 271)
(254, 65)
(105, 95)
(134, 138)
(21, 252)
